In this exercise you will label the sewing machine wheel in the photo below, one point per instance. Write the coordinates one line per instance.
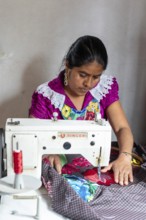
(2, 144)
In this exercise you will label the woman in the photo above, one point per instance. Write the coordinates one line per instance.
(80, 91)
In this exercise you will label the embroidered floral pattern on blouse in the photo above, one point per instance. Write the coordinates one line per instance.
(72, 114)
(92, 108)
(87, 113)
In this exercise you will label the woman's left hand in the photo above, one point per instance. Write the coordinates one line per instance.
(122, 169)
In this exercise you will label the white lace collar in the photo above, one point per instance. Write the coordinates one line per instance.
(102, 88)
(58, 99)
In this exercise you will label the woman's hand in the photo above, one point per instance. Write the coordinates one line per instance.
(55, 162)
(122, 169)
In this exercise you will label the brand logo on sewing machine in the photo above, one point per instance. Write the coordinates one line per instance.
(72, 134)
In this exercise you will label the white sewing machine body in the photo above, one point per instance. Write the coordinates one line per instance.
(37, 137)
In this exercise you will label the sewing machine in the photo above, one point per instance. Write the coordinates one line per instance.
(35, 137)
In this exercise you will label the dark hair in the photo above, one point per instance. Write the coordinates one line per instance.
(85, 50)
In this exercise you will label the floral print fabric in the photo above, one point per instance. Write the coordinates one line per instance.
(87, 113)
(84, 188)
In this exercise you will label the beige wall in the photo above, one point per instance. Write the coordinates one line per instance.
(35, 35)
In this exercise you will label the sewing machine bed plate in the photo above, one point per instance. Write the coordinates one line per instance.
(25, 209)
(7, 184)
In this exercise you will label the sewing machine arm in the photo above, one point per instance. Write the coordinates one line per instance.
(37, 137)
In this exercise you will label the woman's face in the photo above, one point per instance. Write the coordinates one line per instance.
(84, 78)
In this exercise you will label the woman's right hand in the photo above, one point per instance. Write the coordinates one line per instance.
(55, 162)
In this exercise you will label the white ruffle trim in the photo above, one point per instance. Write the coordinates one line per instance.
(103, 87)
(56, 98)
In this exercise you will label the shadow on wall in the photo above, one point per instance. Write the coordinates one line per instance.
(17, 107)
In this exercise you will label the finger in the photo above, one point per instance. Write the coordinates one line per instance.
(105, 169)
(116, 176)
(131, 177)
(58, 168)
(119, 176)
(51, 159)
(121, 179)
(58, 164)
(126, 178)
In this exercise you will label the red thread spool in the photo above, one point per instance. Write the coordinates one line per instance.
(17, 162)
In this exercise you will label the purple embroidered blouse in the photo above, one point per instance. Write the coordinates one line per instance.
(50, 97)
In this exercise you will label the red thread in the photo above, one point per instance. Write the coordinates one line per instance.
(17, 162)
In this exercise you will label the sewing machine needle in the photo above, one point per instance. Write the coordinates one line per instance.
(99, 167)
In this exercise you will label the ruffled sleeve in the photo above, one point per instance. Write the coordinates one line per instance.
(41, 107)
(106, 92)
(111, 96)
(45, 101)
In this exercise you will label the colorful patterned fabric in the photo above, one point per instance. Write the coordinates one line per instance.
(76, 165)
(85, 189)
(106, 178)
(80, 166)
(87, 113)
